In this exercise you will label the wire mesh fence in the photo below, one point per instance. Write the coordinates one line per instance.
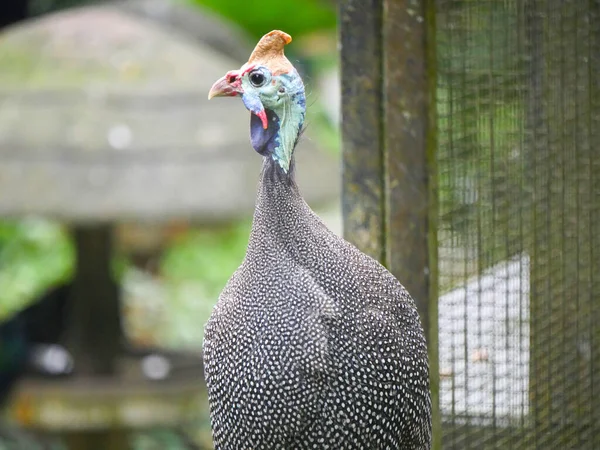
(518, 104)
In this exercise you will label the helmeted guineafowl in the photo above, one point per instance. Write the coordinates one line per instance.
(312, 344)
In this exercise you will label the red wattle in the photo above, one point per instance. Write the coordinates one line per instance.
(263, 118)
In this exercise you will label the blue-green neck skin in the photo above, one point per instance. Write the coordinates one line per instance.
(284, 102)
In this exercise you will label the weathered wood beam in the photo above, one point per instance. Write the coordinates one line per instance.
(94, 331)
(362, 125)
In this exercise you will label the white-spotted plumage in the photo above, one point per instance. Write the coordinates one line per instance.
(313, 344)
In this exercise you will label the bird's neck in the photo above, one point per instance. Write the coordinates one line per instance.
(280, 209)
(277, 190)
(290, 128)
(284, 125)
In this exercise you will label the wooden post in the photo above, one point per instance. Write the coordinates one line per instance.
(94, 330)
(362, 125)
(94, 318)
(389, 207)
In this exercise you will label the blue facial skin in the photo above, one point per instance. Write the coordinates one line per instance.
(283, 99)
(252, 102)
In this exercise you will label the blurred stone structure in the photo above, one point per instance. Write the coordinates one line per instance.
(104, 120)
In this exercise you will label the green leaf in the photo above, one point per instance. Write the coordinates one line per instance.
(296, 17)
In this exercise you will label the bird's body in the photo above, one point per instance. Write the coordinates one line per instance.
(312, 344)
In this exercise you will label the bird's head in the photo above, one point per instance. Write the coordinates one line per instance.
(273, 92)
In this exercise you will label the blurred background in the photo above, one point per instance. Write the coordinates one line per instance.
(126, 201)
(112, 158)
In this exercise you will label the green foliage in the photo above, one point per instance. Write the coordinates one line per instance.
(296, 17)
(210, 255)
(34, 254)
(194, 270)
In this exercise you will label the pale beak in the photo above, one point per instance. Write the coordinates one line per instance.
(224, 87)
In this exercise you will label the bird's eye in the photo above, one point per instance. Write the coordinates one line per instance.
(257, 79)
